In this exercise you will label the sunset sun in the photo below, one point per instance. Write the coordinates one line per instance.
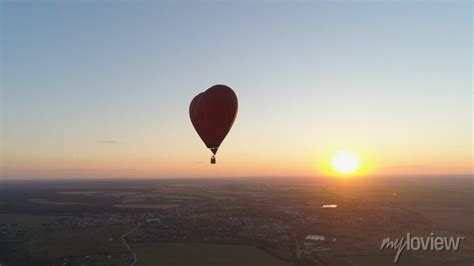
(345, 163)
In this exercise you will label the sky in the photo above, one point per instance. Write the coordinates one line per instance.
(99, 89)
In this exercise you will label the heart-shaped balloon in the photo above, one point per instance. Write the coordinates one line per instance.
(212, 114)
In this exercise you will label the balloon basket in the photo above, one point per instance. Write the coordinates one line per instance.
(213, 159)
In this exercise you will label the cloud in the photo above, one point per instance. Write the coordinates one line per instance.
(77, 170)
(90, 170)
(108, 141)
(407, 166)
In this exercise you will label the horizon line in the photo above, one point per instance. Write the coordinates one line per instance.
(457, 175)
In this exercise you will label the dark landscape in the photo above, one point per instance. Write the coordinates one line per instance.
(236, 221)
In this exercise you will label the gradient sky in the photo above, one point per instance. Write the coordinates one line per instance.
(95, 89)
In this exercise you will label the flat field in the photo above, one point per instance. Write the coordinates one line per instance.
(171, 254)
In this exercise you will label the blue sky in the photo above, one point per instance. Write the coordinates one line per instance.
(392, 79)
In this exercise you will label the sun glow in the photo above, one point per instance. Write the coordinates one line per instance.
(345, 163)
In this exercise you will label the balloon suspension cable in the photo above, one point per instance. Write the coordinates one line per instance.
(213, 159)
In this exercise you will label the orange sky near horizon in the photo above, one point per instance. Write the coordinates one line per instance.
(231, 161)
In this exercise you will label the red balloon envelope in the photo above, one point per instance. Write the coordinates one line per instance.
(212, 113)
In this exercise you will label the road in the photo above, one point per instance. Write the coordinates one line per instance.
(135, 260)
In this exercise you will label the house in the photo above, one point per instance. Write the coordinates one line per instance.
(314, 243)
(315, 238)
(152, 220)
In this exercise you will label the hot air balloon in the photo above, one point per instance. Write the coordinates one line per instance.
(212, 114)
